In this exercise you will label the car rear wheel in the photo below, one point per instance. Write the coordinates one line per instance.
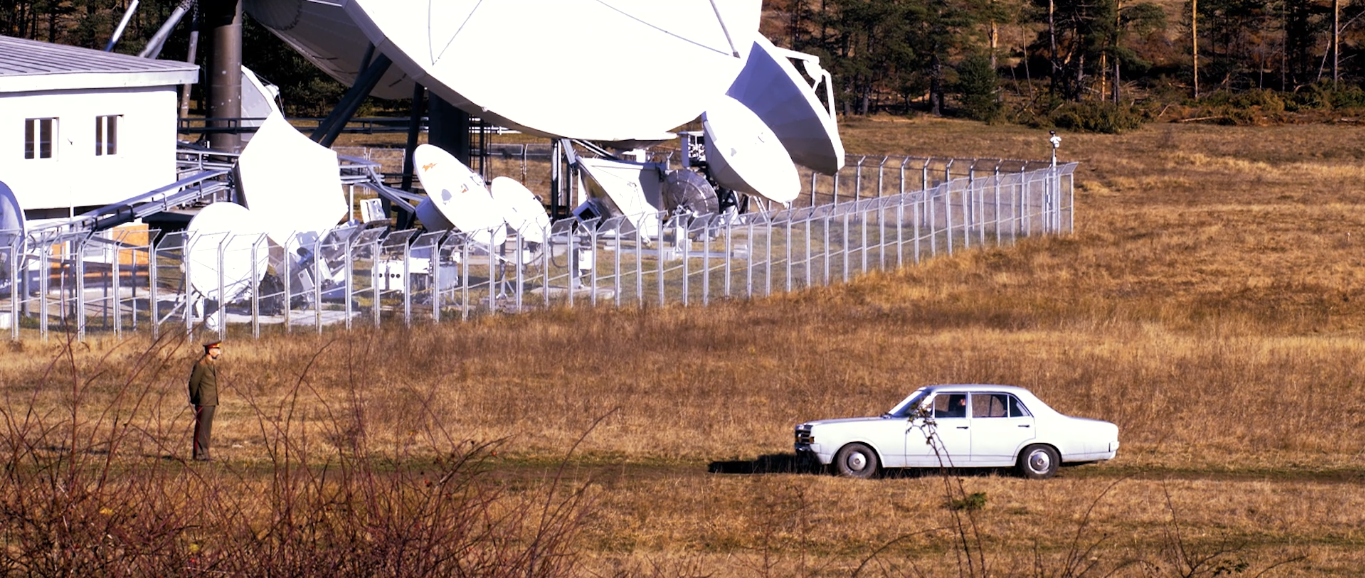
(1038, 462)
(856, 461)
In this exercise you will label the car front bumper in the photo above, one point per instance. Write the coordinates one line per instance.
(811, 454)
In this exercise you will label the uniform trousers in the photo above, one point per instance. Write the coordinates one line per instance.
(203, 430)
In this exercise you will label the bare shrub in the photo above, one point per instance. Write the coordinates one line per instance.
(75, 502)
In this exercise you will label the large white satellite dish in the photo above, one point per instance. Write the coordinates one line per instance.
(521, 209)
(459, 196)
(627, 189)
(236, 230)
(289, 182)
(743, 154)
(322, 32)
(11, 214)
(770, 86)
(606, 70)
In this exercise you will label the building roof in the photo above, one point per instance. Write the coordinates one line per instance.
(30, 66)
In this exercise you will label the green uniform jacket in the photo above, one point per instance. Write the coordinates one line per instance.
(204, 383)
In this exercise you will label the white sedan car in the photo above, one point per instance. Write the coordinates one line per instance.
(959, 426)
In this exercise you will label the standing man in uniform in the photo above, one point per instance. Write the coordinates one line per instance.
(204, 397)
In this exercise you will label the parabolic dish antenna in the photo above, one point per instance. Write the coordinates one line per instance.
(236, 230)
(743, 154)
(290, 183)
(770, 86)
(11, 214)
(689, 192)
(258, 101)
(522, 211)
(322, 32)
(620, 83)
(459, 195)
(627, 190)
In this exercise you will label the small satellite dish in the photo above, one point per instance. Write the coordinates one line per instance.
(322, 32)
(626, 189)
(459, 196)
(11, 214)
(521, 209)
(772, 88)
(688, 191)
(743, 154)
(258, 101)
(289, 182)
(236, 230)
(604, 70)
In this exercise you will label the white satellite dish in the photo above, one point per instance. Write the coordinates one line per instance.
(322, 32)
(603, 70)
(632, 190)
(292, 184)
(743, 154)
(770, 86)
(522, 210)
(258, 101)
(459, 196)
(236, 230)
(11, 214)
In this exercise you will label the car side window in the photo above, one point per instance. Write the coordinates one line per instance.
(1017, 408)
(950, 405)
(990, 405)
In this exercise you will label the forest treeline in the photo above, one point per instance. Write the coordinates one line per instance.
(1103, 65)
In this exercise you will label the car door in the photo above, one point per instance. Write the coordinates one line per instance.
(887, 437)
(1001, 425)
(943, 436)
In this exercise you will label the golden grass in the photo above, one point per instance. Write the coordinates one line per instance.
(1210, 304)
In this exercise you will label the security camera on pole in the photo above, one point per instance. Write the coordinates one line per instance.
(1056, 142)
(1052, 198)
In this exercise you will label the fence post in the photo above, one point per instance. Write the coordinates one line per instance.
(317, 283)
(706, 261)
(407, 283)
(78, 251)
(255, 289)
(350, 281)
(948, 204)
(662, 296)
(152, 305)
(729, 253)
(616, 269)
(464, 279)
(17, 252)
(592, 271)
(788, 228)
(858, 179)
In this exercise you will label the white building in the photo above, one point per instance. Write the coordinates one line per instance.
(80, 128)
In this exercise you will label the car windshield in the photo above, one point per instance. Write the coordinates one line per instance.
(907, 406)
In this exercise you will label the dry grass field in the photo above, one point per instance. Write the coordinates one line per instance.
(1211, 303)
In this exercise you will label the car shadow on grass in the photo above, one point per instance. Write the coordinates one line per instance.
(791, 464)
(768, 464)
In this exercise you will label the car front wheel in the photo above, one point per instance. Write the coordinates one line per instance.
(1038, 462)
(856, 461)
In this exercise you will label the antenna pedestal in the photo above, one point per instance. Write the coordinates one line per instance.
(224, 20)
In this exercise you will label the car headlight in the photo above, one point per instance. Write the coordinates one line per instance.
(804, 435)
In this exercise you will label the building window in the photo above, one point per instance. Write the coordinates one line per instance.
(40, 138)
(106, 135)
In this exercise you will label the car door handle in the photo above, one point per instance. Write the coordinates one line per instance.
(962, 427)
(1024, 425)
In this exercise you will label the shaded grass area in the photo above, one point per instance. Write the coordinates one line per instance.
(1209, 304)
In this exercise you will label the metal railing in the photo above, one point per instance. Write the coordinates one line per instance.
(879, 214)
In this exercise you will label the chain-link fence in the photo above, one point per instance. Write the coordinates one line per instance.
(878, 214)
